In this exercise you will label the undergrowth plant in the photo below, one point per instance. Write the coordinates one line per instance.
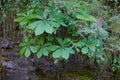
(60, 28)
(49, 21)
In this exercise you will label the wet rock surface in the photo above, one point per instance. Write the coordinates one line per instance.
(17, 67)
(15, 71)
(7, 44)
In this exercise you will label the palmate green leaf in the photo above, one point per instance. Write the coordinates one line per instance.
(91, 18)
(37, 26)
(96, 43)
(21, 14)
(54, 24)
(53, 47)
(60, 41)
(44, 48)
(19, 19)
(22, 50)
(39, 54)
(45, 13)
(26, 39)
(45, 52)
(39, 29)
(22, 44)
(24, 22)
(65, 54)
(66, 41)
(86, 17)
(33, 25)
(70, 50)
(84, 50)
(29, 12)
(92, 47)
(90, 38)
(27, 52)
(84, 39)
(81, 44)
(32, 41)
(34, 16)
(44, 24)
(33, 49)
(57, 53)
(48, 28)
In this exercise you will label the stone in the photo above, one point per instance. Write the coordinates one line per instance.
(9, 64)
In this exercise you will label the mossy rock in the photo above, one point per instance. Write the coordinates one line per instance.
(118, 75)
(83, 78)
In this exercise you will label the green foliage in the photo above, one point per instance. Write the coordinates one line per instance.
(24, 18)
(79, 9)
(28, 47)
(88, 44)
(59, 28)
(44, 24)
(83, 78)
(116, 64)
(50, 18)
(43, 49)
(63, 51)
